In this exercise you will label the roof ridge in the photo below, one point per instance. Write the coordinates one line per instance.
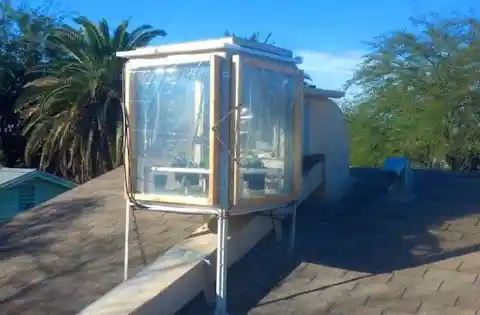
(18, 168)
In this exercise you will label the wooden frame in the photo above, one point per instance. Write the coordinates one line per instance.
(238, 202)
(214, 61)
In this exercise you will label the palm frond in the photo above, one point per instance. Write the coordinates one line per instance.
(74, 116)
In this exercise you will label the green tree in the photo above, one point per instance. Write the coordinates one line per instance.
(73, 113)
(420, 96)
(22, 36)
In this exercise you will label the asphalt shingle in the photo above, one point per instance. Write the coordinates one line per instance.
(62, 255)
(378, 257)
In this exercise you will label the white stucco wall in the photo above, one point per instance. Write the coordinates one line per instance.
(326, 133)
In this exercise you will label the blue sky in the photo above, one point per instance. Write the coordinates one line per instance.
(328, 34)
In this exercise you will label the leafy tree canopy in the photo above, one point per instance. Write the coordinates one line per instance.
(22, 34)
(420, 95)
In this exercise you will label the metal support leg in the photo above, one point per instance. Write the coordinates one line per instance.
(128, 208)
(293, 227)
(221, 277)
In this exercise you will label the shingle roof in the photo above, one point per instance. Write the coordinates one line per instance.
(379, 257)
(13, 176)
(8, 174)
(62, 255)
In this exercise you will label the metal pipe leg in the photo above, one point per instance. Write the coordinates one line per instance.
(128, 208)
(221, 276)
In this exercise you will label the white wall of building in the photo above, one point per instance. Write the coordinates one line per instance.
(326, 133)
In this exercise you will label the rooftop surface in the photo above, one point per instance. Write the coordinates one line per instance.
(61, 256)
(13, 176)
(367, 255)
(209, 45)
(8, 174)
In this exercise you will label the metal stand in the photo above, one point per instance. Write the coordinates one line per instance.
(128, 209)
(222, 265)
(222, 246)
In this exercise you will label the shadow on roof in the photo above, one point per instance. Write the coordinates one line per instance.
(23, 235)
(365, 234)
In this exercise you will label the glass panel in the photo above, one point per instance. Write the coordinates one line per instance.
(171, 129)
(266, 132)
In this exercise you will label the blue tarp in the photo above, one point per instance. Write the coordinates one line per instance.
(396, 164)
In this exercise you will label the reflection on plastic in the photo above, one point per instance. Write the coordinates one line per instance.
(266, 133)
(171, 129)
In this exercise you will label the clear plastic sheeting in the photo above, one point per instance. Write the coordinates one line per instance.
(266, 132)
(170, 129)
(170, 153)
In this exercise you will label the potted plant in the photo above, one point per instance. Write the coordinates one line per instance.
(254, 180)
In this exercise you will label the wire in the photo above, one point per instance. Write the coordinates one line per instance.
(128, 189)
(140, 243)
(128, 173)
(129, 176)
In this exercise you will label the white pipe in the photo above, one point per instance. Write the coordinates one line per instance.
(199, 121)
(221, 274)
(127, 233)
(211, 211)
(179, 210)
(189, 170)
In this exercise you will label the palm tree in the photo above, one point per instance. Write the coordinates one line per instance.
(73, 113)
